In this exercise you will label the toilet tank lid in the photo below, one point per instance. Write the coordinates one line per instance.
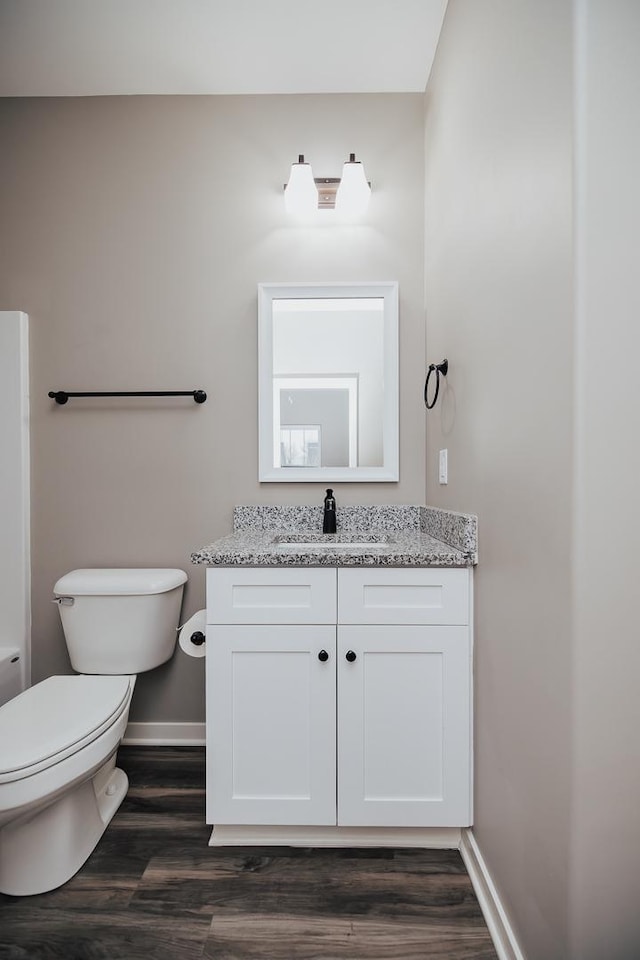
(118, 582)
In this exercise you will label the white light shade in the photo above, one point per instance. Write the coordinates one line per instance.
(353, 193)
(301, 193)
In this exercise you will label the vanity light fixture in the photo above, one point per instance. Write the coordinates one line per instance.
(349, 194)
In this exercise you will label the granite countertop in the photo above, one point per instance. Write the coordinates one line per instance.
(367, 537)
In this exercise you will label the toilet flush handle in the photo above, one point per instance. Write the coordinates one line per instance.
(64, 601)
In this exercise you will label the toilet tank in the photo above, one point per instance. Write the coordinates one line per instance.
(120, 620)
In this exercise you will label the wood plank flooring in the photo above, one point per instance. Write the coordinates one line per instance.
(154, 890)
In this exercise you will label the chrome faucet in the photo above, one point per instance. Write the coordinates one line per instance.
(329, 521)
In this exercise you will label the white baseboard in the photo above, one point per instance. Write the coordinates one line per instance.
(164, 735)
(495, 915)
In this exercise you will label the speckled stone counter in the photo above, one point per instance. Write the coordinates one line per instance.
(391, 536)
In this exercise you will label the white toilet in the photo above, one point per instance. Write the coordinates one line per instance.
(59, 785)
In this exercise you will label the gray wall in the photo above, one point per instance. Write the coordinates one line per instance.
(532, 205)
(134, 233)
(605, 890)
(499, 306)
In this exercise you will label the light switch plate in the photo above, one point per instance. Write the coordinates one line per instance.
(443, 467)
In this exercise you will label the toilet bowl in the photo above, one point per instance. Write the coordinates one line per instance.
(59, 784)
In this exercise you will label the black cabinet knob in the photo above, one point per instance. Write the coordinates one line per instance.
(323, 656)
(350, 655)
(197, 638)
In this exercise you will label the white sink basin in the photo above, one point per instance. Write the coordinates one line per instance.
(294, 543)
(314, 545)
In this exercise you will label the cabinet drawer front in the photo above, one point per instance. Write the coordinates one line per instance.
(398, 595)
(259, 595)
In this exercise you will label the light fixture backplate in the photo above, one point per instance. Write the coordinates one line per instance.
(327, 190)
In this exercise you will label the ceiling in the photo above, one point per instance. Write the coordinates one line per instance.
(68, 48)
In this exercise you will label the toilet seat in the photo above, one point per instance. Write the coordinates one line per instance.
(56, 718)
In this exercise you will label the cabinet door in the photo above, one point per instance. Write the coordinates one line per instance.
(404, 743)
(271, 727)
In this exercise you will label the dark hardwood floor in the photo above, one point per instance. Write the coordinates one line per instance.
(154, 890)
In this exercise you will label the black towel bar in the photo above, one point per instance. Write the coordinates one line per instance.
(61, 396)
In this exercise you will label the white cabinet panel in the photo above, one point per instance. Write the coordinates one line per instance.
(404, 726)
(271, 724)
(262, 595)
(422, 596)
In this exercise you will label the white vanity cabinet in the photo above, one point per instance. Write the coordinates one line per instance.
(339, 697)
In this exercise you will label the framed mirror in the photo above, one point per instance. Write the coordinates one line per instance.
(328, 381)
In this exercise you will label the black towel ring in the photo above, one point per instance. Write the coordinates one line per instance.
(440, 368)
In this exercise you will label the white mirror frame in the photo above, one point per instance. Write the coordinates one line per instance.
(267, 293)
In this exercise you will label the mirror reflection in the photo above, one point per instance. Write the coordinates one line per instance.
(328, 382)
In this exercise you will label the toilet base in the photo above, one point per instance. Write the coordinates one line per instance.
(43, 850)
